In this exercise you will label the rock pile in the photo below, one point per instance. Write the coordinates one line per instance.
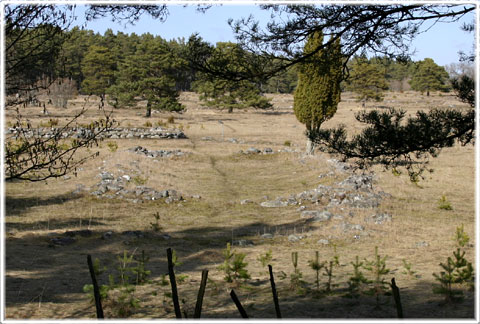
(157, 153)
(83, 133)
(338, 201)
(121, 187)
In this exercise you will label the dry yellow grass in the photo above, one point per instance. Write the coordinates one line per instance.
(46, 282)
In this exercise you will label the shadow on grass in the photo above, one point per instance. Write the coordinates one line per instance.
(37, 270)
(15, 206)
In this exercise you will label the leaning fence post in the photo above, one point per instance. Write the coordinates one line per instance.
(274, 293)
(96, 291)
(173, 283)
(396, 297)
(201, 292)
(238, 304)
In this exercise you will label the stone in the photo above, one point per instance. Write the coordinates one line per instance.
(293, 238)
(379, 218)
(323, 241)
(317, 215)
(253, 150)
(358, 182)
(62, 240)
(274, 203)
(245, 202)
(421, 244)
(106, 176)
(243, 243)
(267, 236)
(267, 150)
(352, 227)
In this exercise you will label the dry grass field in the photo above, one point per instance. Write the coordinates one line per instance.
(45, 280)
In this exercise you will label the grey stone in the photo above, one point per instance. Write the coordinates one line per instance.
(293, 238)
(243, 243)
(253, 150)
(267, 150)
(379, 218)
(421, 244)
(274, 203)
(317, 215)
(106, 176)
(267, 236)
(245, 202)
(352, 227)
(62, 240)
(323, 241)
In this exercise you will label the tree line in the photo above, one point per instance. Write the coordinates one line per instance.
(127, 68)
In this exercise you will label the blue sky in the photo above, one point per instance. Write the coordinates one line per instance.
(441, 43)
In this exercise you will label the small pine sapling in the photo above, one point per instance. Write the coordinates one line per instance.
(316, 266)
(234, 266)
(378, 269)
(296, 277)
(328, 270)
(357, 280)
(456, 271)
(408, 269)
(141, 273)
(444, 204)
(156, 226)
(265, 259)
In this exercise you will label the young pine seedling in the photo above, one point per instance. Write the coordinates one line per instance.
(316, 266)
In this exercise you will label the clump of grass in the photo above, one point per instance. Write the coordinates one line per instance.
(160, 123)
(265, 259)
(156, 226)
(112, 146)
(287, 143)
(171, 120)
(147, 124)
(49, 123)
(444, 204)
(138, 180)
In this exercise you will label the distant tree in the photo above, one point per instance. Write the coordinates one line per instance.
(318, 91)
(150, 75)
(367, 79)
(283, 82)
(98, 68)
(224, 93)
(34, 35)
(428, 76)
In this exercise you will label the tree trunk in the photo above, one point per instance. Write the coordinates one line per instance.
(149, 111)
(310, 148)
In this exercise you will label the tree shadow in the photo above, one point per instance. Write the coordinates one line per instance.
(15, 206)
(37, 269)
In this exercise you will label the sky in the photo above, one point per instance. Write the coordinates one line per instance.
(442, 42)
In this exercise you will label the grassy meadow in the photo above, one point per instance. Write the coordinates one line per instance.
(44, 280)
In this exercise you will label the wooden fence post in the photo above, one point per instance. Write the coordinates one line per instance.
(201, 292)
(238, 304)
(96, 291)
(173, 283)
(396, 297)
(274, 293)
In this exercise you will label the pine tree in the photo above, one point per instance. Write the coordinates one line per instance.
(367, 79)
(428, 76)
(222, 93)
(318, 91)
(149, 74)
(98, 68)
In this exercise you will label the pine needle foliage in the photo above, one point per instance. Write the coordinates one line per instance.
(318, 91)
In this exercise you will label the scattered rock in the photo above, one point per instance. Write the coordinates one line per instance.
(293, 238)
(379, 218)
(421, 244)
(62, 240)
(267, 236)
(274, 203)
(107, 235)
(245, 202)
(323, 241)
(243, 243)
(317, 215)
